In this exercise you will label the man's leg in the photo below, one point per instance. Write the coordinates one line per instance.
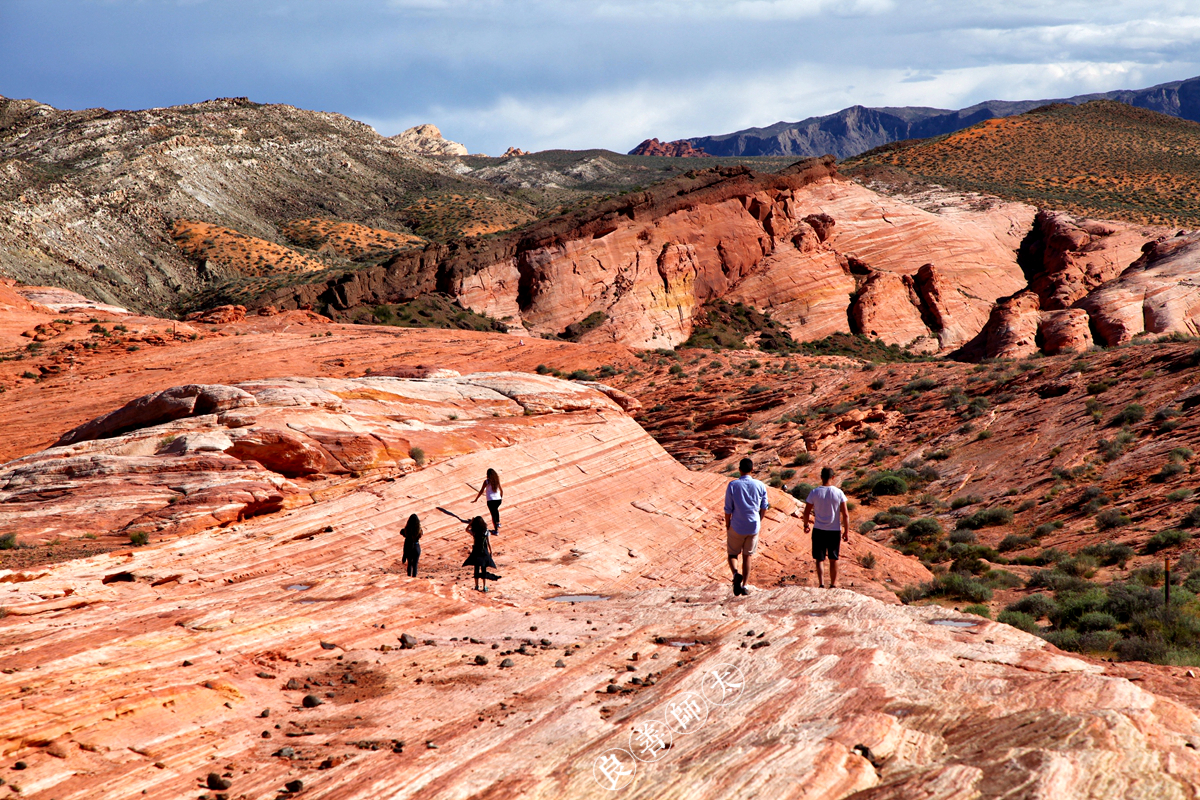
(832, 573)
(733, 565)
(745, 568)
(820, 573)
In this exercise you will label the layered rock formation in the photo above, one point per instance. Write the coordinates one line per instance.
(680, 148)
(427, 140)
(1096, 283)
(798, 243)
(289, 651)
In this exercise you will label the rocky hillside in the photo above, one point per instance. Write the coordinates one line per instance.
(245, 586)
(1101, 159)
(857, 129)
(90, 200)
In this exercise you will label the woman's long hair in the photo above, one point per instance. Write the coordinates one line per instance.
(493, 479)
(412, 527)
(478, 526)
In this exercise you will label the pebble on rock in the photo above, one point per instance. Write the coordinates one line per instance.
(311, 701)
(508, 662)
(560, 663)
(481, 660)
(293, 786)
(215, 781)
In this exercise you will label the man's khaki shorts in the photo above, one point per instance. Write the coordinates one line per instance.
(736, 544)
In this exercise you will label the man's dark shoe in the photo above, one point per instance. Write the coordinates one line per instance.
(737, 583)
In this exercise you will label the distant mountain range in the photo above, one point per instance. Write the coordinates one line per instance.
(858, 129)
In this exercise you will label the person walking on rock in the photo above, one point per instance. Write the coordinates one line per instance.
(828, 504)
(495, 496)
(745, 500)
(481, 552)
(412, 544)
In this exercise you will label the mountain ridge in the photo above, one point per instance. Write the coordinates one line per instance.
(857, 129)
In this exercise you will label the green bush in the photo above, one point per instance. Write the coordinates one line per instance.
(1014, 541)
(801, 490)
(958, 586)
(1109, 553)
(8, 541)
(1018, 620)
(978, 610)
(139, 538)
(866, 526)
(1068, 639)
(889, 485)
(1102, 641)
(920, 385)
(922, 530)
(1191, 519)
(801, 460)
(1035, 605)
(986, 518)
(1096, 621)
(962, 537)
(1111, 518)
(1056, 581)
(1129, 415)
(965, 500)
(417, 455)
(1164, 540)
(583, 375)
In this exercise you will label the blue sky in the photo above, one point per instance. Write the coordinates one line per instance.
(576, 73)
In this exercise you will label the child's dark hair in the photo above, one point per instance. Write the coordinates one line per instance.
(826, 474)
(478, 526)
(413, 526)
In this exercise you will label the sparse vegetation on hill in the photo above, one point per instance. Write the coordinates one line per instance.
(427, 311)
(1100, 159)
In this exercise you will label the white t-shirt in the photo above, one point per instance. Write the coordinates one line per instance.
(827, 502)
(490, 493)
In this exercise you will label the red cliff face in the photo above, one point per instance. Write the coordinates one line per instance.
(681, 148)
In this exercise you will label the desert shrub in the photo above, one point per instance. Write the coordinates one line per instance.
(1014, 541)
(801, 460)
(986, 518)
(8, 541)
(1191, 519)
(957, 586)
(889, 485)
(583, 375)
(1101, 641)
(1064, 640)
(978, 610)
(1080, 566)
(1109, 553)
(1018, 620)
(1130, 599)
(1164, 540)
(921, 530)
(801, 490)
(1095, 621)
(1046, 528)
(965, 500)
(1179, 494)
(962, 537)
(1056, 581)
(1129, 415)
(867, 561)
(542, 369)
(866, 526)
(1001, 579)
(139, 538)
(1111, 518)
(1110, 449)
(939, 455)
(889, 519)
(920, 385)
(984, 434)
(1035, 605)
(1071, 606)
(1168, 471)
(417, 455)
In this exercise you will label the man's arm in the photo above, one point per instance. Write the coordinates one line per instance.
(728, 507)
(807, 520)
(845, 521)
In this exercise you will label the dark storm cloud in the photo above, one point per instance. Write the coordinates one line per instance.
(570, 73)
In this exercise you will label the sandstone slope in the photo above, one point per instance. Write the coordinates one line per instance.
(148, 669)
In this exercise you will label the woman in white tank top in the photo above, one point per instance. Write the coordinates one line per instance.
(495, 495)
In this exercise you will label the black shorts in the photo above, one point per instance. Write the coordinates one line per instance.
(826, 544)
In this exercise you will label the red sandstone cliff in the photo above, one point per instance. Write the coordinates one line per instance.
(681, 148)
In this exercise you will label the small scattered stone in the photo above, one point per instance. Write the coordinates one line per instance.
(612, 688)
(630, 668)
(635, 657)
(560, 663)
(546, 642)
(20, 765)
(293, 685)
(495, 647)
(265, 676)
(533, 627)
(654, 655)
(757, 645)
(407, 641)
(328, 646)
(750, 632)
(311, 701)
(215, 781)
(266, 712)
(431, 745)
(266, 734)
(286, 752)
(508, 662)
(1190, 673)
(481, 660)
(187, 663)
(293, 786)
(160, 765)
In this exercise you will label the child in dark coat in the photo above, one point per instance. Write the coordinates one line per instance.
(481, 551)
(412, 544)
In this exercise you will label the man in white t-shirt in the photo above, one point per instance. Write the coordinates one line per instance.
(828, 504)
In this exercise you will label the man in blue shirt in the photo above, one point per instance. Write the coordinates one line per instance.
(745, 500)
